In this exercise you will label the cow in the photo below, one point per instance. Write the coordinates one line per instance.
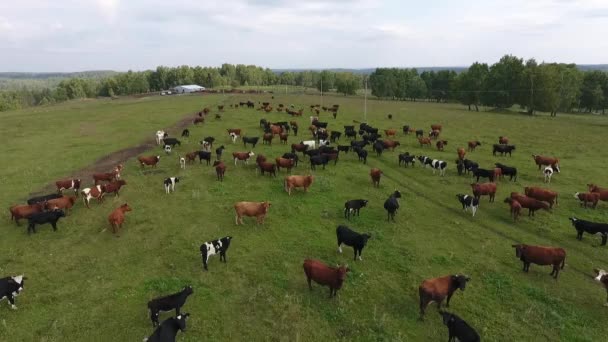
(170, 184)
(434, 134)
(257, 209)
(424, 141)
(168, 149)
(466, 165)
(264, 166)
(243, 156)
(438, 289)
(351, 238)
(275, 130)
(167, 331)
(546, 161)
(236, 131)
(64, 203)
(343, 148)
(440, 144)
(191, 157)
(114, 187)
(515, 207)
(481, 189)
(461, 153)
(390, 144)
(541, 255)
(198, 120)
(285, 163)
(250, 140)
(298, 148)
(603, 192)
(458, 329)
(159, 137)
(548, 172)
(219, 151)
(44, 217)
(68, 184)
(419, 133)
(171, 142)
(267, 138)
(439, 165)
(291, 156)
(436, 127)
(182, 163)
(233, 136)
(206, 155)
(361, 154)
(292, 182)
(218, 246)
(309, 143)
(530, 203)
(589, 227)
(424, 161)
(353, 207)
(392, 204)
(220, 170)
(467, 202)
(540, 194)
(11, 287)
(42, 199)
(588, 197)
(502, 149)
(375, 175)
(503, 140)
(117, 217)
(325, 275)
(602, 277)
(473, 144)
(25, 211)
(507, 171)
(148, 160)
(483, 173)
(97, 192)
(283, 138)
(185, 133)
(207, 143)
(406, 158)
(390, 132)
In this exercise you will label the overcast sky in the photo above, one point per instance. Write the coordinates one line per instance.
(74, 35)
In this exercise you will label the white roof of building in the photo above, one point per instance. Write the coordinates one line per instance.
(190, 86)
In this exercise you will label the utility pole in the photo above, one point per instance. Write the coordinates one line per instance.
(531, 94)
(365, 101)
(321, 88)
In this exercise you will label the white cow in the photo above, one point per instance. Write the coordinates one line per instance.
(233, 137)
(159, 137)
(182, 162)
(309, 143)
(548, 173)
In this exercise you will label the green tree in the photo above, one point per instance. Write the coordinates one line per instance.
(503, 84)
(470, 84)
(347, 83)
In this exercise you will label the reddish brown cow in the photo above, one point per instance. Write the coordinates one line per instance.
(299, 148)
(473, 145)
(117, 217)
(503, 140)
(390, 132)
(424, 141)
(220, 169)
(199, 120)
(484, 189)
(436, 127)
(440, 144)
(268, 109)
(541, 255)
(108, 177)
(285, 163)
(191, 157)
(588, 197)
(546, 161)
(461, 153)
(602, 191)
(24, 211)
(114, 187)
(331, 156)
(391, 144)
(242, 156)
(65, 203)
(292, 182)
(497, 173)
(283, 137)
(375, 174)
(148, 160)
(95, 192)
(68, 184)
(530, 203)
(267, 138)
(236, 131)
(325, 275)
(437, 289)
(515, 207)
(257, 209)
(264, 166)
(293, 124)
(541, 194)
(434, 134)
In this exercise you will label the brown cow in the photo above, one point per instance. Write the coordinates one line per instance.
(95, 192)
(242, 156)
(436, 127)
(530, 203)
(148, 160)
(67, 185)
(473, 144)
(264, 166)
(325, 275)
(541, 256)
(437, 289)
(257, 209)
(276, 129)
(390, 132)
(283, 137)
(515, 207)
(291, 182)
(191, 157)
(546, 161)
(236, 131)
(267, 138)
(503, 140)
(434, 134)
(390, 144)
(602, 191)
(497, 173)
(299, 148)
(541, 194)
(375, 175)
(461, 153)
(440, 144)
(285, 163)
(24, 211)
(199, 120)
(424, 141)
(117, 217)
(114, 187)
(220, 169)
(64, 203)
(206, 110)
(588, 197)
(484, 189)
(108, 176)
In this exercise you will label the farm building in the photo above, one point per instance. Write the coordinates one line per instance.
(190, 88)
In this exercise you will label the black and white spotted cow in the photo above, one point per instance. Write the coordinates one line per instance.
(170, 184)
(440, 165)
(467, 202)
(168, 303)
(11, 287)
(548, 172)
(219, 246)
(424, 161)
(167, 149)
(167, 331)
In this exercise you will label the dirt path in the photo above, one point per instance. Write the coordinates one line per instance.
(108, 162)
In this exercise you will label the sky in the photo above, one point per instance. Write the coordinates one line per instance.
(77, 35)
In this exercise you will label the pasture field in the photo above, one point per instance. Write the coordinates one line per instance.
(86, 285)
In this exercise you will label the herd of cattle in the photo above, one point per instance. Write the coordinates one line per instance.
(320, 150)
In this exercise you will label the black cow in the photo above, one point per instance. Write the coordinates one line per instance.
(168, 303)
(589, 227)
(335, 136)
(378, 147)
(313, 152)
(171, 142)
(219, 246)
(361, 153)
(467, 202)
(483, 173)
(360, 144)
(349, 128)
(318, 160)
(263, 123)
(406, 129)
(10, 287)
(44, 198)
(392, 204)
(469, 165)
(343, 148)
(419, 133)
(458, 329)
(186, 133)
(45, 217)
(405, 158)
(294, 128)
(250, 140)
(508, 171)
(351, 238)
(351, 134)
(167, 331)
(204, 155)
(320, 124)
(219, 151)
(502, 149)
(292, 156)
(207, 141)
(353, 206)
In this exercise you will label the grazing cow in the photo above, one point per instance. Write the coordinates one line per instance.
(117, 217)
(419, 133)
(285, 163)
(375, 175)
(603, 192)
(483, 173)
(148, 160)
(390, 132)
(361, 154)
(44, 217)
(540, 194)
(114, 187)
(325, 275)
(541, 255)
(502, 149)
(406, 158)
(515, 207)
(484, 189)
(589, 227)
(220, 169)
(25, 211)
(243, 156)
(291, 156)
(42, 199)
(206, 155)
(98, 191)
(73, 184)
(218, 246)
(461, 153)
(458, 329)
(588, 197)
(438, 289)
(530, 203)
(389, 144)
(167, 331)
(267, 138)
(170, 184)
(353, 207)
(424, 141)
(292, 182)
(219, 151)
(351, 238)
(439, 165)
(185, 133)
(468, 202)
(503, 140)
(546, 161)
(548, 172)
(392, 204)
(507, 171)
(64, 203)
(159, 137)
(257, 209)
(473, 144)
(441, 144)
(250, 140)
(171, 142)
(11, 287)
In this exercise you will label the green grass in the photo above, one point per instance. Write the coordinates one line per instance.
(86, 285)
